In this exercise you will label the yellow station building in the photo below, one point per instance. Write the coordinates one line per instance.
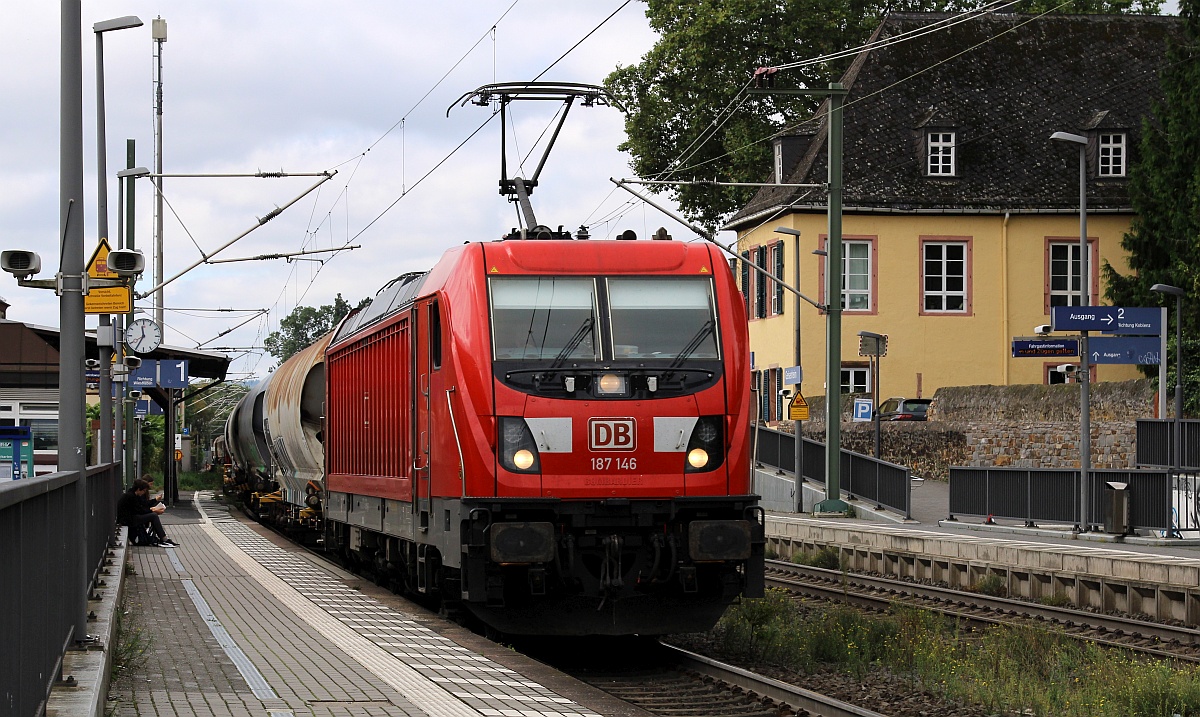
(961, 216)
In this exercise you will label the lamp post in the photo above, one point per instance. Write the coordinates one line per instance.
(71, 458)
(798, 436)
(105, 339)
(1176, 462)
(873, 345)
(125, 420)
(1085, 373)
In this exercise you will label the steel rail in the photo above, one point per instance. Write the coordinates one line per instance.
(955, 601)
(795, 697)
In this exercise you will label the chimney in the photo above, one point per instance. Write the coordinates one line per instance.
(4, 308)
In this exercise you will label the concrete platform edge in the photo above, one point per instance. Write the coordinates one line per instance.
(1066, 533)
(91, 668)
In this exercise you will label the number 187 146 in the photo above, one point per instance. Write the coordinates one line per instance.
(617, 464)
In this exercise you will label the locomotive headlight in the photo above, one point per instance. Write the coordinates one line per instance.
(516, 448)
(610, 384)
(706, 447)
(523, 459)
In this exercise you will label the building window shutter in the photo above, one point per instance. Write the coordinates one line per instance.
(760, 296)
(746, 280)
(778, 285)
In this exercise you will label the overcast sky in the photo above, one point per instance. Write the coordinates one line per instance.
(303, 86)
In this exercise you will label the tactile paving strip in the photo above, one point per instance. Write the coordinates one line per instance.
(421, 664)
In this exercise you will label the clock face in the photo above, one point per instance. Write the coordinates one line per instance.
(143, 336)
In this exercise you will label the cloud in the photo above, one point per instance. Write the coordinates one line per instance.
(307, 86)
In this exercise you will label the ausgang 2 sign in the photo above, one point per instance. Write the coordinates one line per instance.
(1134, 321)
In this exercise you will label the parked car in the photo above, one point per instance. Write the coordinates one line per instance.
(904, 409)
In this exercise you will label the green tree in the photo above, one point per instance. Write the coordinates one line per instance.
(154, 429)
(706, 53)
(1164, 185)
(305, 325)
(207, 412)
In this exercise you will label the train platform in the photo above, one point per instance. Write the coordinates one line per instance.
(236, 621)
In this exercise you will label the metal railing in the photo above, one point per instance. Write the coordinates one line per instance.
(1047, 495)
(864, 477)
(41, 600)
(1156, 443)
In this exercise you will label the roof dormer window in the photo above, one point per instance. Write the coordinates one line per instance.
(940, 154)
(1111, 154)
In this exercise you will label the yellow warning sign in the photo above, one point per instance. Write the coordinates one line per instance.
(798, 408)
(108, 299)
(178, 454)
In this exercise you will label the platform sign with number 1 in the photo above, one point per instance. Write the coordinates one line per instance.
(173, 373)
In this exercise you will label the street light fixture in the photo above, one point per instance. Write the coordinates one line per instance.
(1084, 374)
(1178, 293)
(105, 339)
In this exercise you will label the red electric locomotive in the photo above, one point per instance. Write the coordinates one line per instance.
(552, 434)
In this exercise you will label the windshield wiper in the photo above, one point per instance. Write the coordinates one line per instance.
(692, 345)
(584, 330)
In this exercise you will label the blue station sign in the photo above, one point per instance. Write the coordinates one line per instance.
(1135, 321)
(792, 375)
(1143, 350)
(1045, 348)
(173, 373)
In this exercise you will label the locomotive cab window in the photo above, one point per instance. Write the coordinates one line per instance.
(435, 336)
(662, 318)
(545, 317)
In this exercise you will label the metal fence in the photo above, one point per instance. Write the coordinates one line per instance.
(41, 599)
(1047, 495)
(1156, 443)
(864, 477)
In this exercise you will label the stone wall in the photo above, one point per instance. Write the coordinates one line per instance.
(1028, 426)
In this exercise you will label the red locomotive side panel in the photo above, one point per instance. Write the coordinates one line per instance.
(367, 412)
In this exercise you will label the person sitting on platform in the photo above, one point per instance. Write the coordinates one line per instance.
(134, 510)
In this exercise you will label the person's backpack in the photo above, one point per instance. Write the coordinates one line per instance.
(141, 535)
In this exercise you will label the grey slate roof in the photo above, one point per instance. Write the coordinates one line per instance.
(1026, 78)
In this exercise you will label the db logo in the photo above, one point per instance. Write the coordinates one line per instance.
(612, 434)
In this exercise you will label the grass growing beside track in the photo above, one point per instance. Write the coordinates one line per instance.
(1005, 670)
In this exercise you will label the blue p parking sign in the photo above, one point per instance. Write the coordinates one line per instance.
(862, 409)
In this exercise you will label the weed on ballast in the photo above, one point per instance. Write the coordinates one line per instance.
(1004, 669)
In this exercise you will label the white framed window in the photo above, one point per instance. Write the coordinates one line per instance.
(856, 275)
(1111, 157)
(856, 379)
(944, 267)
(940, 153)
(1063, 273)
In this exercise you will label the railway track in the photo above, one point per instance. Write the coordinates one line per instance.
(679, 683)
(876, 593)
